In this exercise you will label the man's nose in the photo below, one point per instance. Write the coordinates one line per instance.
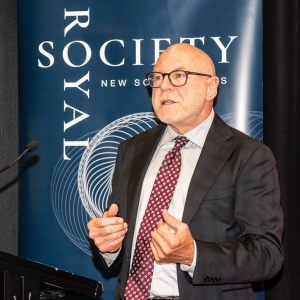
(166, 83)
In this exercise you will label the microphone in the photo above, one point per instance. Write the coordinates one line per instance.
(31, 146)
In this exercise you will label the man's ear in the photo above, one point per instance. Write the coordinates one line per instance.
(212, 88)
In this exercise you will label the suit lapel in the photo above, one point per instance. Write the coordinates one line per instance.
(145, 147)
(216, 151)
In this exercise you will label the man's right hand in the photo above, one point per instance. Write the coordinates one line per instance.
(108, 232)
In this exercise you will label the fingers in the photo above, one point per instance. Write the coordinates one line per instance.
(108, 218)
(111, 242)
(103, 227)
(172, 241)
(108, 232)
(108, 238)
(104, 221)
(159, 247)
(154, 251)
(163, 239)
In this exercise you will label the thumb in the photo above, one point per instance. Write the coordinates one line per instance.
(169, 220)
(112, 211)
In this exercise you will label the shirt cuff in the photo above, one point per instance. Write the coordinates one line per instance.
(110, 257)
(190, 269)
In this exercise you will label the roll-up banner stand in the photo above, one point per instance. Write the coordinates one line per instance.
(82, 90)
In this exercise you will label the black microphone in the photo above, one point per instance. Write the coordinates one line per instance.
(31, 146)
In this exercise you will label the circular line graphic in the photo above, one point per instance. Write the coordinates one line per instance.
(80, 187)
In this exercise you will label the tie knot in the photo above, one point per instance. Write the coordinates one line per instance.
(180, 141)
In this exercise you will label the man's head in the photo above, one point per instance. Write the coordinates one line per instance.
(185, 107)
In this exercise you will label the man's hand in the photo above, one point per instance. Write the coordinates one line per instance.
(108, 232)
(172, 241)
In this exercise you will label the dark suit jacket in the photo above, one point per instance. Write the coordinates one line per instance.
(232, 209)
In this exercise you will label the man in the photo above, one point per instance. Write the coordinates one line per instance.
(222, 229)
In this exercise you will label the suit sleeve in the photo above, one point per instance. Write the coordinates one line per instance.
(257, 252)
(114, 198)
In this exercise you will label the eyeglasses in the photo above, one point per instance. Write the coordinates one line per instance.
(177, 78)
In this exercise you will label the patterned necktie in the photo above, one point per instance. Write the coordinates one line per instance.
(140, 275)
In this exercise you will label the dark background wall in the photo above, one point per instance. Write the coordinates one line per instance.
(281, 128)
(8, 126)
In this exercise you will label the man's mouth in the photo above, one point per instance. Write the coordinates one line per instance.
(167, 102)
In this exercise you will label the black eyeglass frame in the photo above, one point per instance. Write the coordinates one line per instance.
(164, 74)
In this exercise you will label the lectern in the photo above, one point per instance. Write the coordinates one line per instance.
(21, 279)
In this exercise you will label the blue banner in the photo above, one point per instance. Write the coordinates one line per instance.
(82, 88)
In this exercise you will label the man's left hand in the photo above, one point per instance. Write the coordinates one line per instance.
(172, 241)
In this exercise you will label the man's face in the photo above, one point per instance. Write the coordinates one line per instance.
(184, 107)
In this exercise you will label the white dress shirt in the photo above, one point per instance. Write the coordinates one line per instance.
(164, 281)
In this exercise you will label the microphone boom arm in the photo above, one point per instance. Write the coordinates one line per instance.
(31, 146)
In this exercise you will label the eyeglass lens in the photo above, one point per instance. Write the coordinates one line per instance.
(177, 78)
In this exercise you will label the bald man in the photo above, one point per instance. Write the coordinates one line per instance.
(222, 229)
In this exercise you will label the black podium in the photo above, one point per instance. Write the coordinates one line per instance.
(22, 279)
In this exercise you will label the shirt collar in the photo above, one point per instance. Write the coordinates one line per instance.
(197, 135)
